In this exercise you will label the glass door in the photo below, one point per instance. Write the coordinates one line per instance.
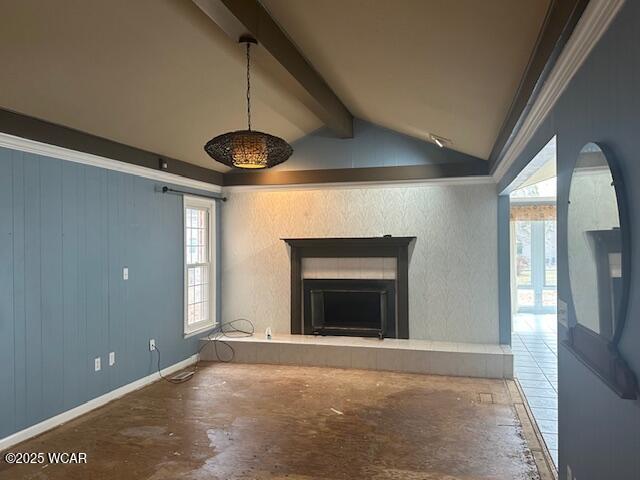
(536, 270)
(550, 287)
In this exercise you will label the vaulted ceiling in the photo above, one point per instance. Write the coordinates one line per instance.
(161, 76)
(153, 74)
(450, 68)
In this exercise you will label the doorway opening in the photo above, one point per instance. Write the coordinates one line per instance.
(533, 233)
(533, 264)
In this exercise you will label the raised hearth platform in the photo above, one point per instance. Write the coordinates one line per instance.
(399, 355)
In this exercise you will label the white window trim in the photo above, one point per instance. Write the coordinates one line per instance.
(210, 205)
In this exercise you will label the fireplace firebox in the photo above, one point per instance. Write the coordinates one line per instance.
(352, 307)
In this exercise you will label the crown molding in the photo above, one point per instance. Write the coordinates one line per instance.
(558, 25)
(595, 20)
(471, 180)
(401, 173)
(38, 148)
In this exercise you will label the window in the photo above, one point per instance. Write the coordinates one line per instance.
(199, 259)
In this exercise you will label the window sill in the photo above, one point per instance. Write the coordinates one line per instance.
(200, 330)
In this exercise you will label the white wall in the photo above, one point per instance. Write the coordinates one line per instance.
(452, 271)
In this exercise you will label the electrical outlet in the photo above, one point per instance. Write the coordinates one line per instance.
(152, 345)
(97, 364)
(125, 273)
(112, 359)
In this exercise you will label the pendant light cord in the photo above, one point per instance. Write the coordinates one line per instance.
(248, 86)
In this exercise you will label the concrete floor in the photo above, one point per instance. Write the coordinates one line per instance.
(235, 421)
(535, 353)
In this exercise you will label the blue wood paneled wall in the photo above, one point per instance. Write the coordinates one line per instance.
(66, 232)
(599, 434)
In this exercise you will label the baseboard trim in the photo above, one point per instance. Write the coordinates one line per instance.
(92, 404)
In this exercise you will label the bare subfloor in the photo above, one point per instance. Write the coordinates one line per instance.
(234, 421)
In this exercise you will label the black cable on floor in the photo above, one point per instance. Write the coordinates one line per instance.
(227, 329)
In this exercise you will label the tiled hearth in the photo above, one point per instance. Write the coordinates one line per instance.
(412, 356)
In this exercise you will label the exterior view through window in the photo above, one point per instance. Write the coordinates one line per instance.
(199, 264)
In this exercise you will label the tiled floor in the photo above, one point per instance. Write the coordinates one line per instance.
(535, 351)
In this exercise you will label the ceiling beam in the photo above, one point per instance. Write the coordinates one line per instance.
(407, 173)
(24, 126)
(239, 17)
(561, 19)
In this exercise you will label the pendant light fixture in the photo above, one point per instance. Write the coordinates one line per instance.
(248, 149)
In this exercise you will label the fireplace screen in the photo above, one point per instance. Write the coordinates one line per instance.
(350, 307)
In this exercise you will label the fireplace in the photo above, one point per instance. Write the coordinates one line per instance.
(353, 307)
(387, 301)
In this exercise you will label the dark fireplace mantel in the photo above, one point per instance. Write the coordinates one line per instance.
(358, 247)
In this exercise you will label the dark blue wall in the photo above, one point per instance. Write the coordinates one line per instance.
(66, 231)
(599, 433)
(371, 146)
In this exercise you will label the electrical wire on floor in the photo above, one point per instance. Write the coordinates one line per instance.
(240, 327)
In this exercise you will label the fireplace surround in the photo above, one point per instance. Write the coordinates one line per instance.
(397, 291)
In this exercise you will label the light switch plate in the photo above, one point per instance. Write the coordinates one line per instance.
(112, 359)
(97, 364)
(125, 273)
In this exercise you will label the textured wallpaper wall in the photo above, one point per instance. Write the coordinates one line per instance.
(453, 266)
